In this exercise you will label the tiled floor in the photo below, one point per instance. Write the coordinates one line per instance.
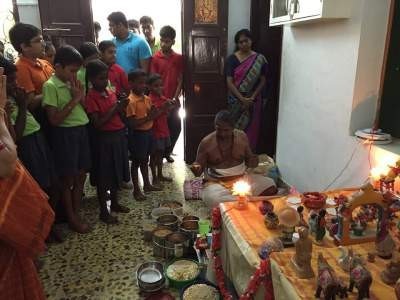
(101, 264)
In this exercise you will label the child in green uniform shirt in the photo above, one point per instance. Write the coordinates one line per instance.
(63, 97)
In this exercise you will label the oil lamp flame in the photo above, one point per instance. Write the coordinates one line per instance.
(378, 172)
(241, 188)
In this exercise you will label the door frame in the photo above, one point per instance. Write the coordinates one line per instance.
(384, 65)
(272, 50)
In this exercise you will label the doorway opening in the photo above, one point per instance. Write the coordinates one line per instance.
(162, 12)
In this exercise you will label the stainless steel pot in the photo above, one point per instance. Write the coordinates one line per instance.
(176, 245)
(170, 221)
(150, 276)
(191, 228)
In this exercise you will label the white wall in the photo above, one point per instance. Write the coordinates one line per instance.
(329, 71)
(238, 18)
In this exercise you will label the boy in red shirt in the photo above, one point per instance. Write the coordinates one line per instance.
(160, 127)
(116, 75)
(169, 65)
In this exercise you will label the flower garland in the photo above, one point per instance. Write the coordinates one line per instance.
(262, 274)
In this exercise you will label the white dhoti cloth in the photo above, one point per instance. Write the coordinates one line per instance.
(214, 192)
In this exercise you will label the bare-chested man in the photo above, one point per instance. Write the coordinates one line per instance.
(223, 156)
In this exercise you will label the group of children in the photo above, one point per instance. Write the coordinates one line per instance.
(79, 112)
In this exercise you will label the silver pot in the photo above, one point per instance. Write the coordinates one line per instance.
(190, 218)
(170, 221)
(191, 228)
(150, 276)
(177, 245)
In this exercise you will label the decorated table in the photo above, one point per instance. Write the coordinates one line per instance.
(244, 231)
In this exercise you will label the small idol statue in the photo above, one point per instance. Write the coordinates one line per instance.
(301, 261)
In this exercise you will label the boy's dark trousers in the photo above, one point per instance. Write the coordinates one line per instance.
(175, 127)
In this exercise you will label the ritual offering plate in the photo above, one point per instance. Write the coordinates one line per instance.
(313, 200)
(293, 200)
(330, 201)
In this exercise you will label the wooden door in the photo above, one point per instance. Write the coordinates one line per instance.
(67, 21)
(389, 119)
(267, 41)
(204, 48)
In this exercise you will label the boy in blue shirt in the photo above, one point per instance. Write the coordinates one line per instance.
(133, 52)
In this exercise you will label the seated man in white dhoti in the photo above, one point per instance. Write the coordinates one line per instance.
(223, 156)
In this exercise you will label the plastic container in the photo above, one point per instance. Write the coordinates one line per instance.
(204, 226)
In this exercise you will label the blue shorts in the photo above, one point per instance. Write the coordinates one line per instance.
(140, 144)
(71, 150)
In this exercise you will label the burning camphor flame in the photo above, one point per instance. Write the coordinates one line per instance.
(383, 161)
(241, 188)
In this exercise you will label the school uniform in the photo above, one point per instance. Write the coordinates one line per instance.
(31, 75)
(112, 164)
(160, 125)
(140, 138)
(170, 69)
(70, 140)
(118, 79)
(33, 150)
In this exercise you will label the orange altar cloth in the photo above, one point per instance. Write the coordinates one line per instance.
(248, 230)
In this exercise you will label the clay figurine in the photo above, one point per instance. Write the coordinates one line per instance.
(317, 225)
(300, 211)
(271, 220)
(270, 245)
(288, 219)
(392, 272)
(384, 242)
(360, 277)
(301, 261)
(265, 207)
(327, 280)
(344, 258)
